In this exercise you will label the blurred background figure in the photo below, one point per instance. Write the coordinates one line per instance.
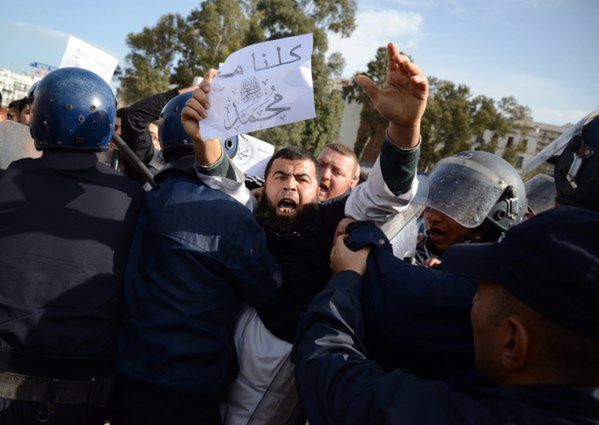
(339, 171)
(24, 109)
(13, 111)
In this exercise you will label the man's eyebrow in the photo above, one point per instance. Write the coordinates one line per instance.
(302, 175)
(284, 173)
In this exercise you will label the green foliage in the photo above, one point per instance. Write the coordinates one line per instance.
(150, 59)
(210, 34)
(377, 72)
(510, 154)
(177, 49)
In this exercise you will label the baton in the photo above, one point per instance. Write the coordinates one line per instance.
(137, 163)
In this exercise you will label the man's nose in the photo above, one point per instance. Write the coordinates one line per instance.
(290, 184)
(325, 174)
(432, 216)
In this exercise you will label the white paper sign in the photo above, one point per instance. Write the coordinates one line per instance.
(80, 54)
(261, 86)
(252, 155)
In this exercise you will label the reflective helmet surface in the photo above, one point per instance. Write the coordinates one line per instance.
(577, 169)
(171, 133)
(470, 187)
(540, 193)
(73, 109)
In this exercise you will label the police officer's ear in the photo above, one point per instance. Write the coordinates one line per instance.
(515, 340)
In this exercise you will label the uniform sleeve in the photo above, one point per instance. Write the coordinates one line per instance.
(229, 180)
(222, 168)
(339, 385)
(135, 123)
(390, 186)
(255, 272)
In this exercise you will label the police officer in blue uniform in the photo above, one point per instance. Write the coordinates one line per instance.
(419, 318)
(536, 335)
(65, 228)
(197, 254)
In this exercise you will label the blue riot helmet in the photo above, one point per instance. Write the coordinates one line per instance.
(73, 109)
(577, 169)
(172, 135)
(471, 187)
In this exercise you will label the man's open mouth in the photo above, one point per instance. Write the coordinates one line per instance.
(323, 190)
(287, 206)
(436, 234)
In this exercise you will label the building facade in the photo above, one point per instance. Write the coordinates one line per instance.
(530, 139)
(15, 86)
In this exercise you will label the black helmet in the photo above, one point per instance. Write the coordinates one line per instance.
(473, 186)
(577, 169)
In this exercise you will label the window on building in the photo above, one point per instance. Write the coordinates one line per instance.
(523, 144)
(510, 142)
(520, 162)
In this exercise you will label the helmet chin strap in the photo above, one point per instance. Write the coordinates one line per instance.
(582, 153)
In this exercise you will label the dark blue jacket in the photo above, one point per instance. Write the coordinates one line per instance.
(415, 317)
(196, 255)
(339, 385)
(66, 224)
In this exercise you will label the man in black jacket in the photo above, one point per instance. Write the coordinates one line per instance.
(300, 230)
(134, 123)
(66, 223)
(535, 321)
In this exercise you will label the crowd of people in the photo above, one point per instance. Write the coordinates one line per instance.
(213, 297)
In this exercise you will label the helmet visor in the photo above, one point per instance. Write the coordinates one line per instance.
(540, 191)
(464, 190)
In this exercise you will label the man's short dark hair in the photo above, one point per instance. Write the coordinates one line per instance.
(22, 103)
(292, 153)
(120, 113)
(13, 105)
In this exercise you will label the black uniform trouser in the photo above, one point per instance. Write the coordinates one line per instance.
(17, 412)
(135, 403)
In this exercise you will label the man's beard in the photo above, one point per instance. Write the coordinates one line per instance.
(267, 218)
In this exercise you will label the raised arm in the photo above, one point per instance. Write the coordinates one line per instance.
(391, 183)
(213, 166)
(337, 384)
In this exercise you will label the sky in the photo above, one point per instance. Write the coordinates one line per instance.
(542, 52)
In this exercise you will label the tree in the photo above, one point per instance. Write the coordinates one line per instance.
(374, 122)
(210, 34)
(453, 121)
(219, 27)
(149, 64)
